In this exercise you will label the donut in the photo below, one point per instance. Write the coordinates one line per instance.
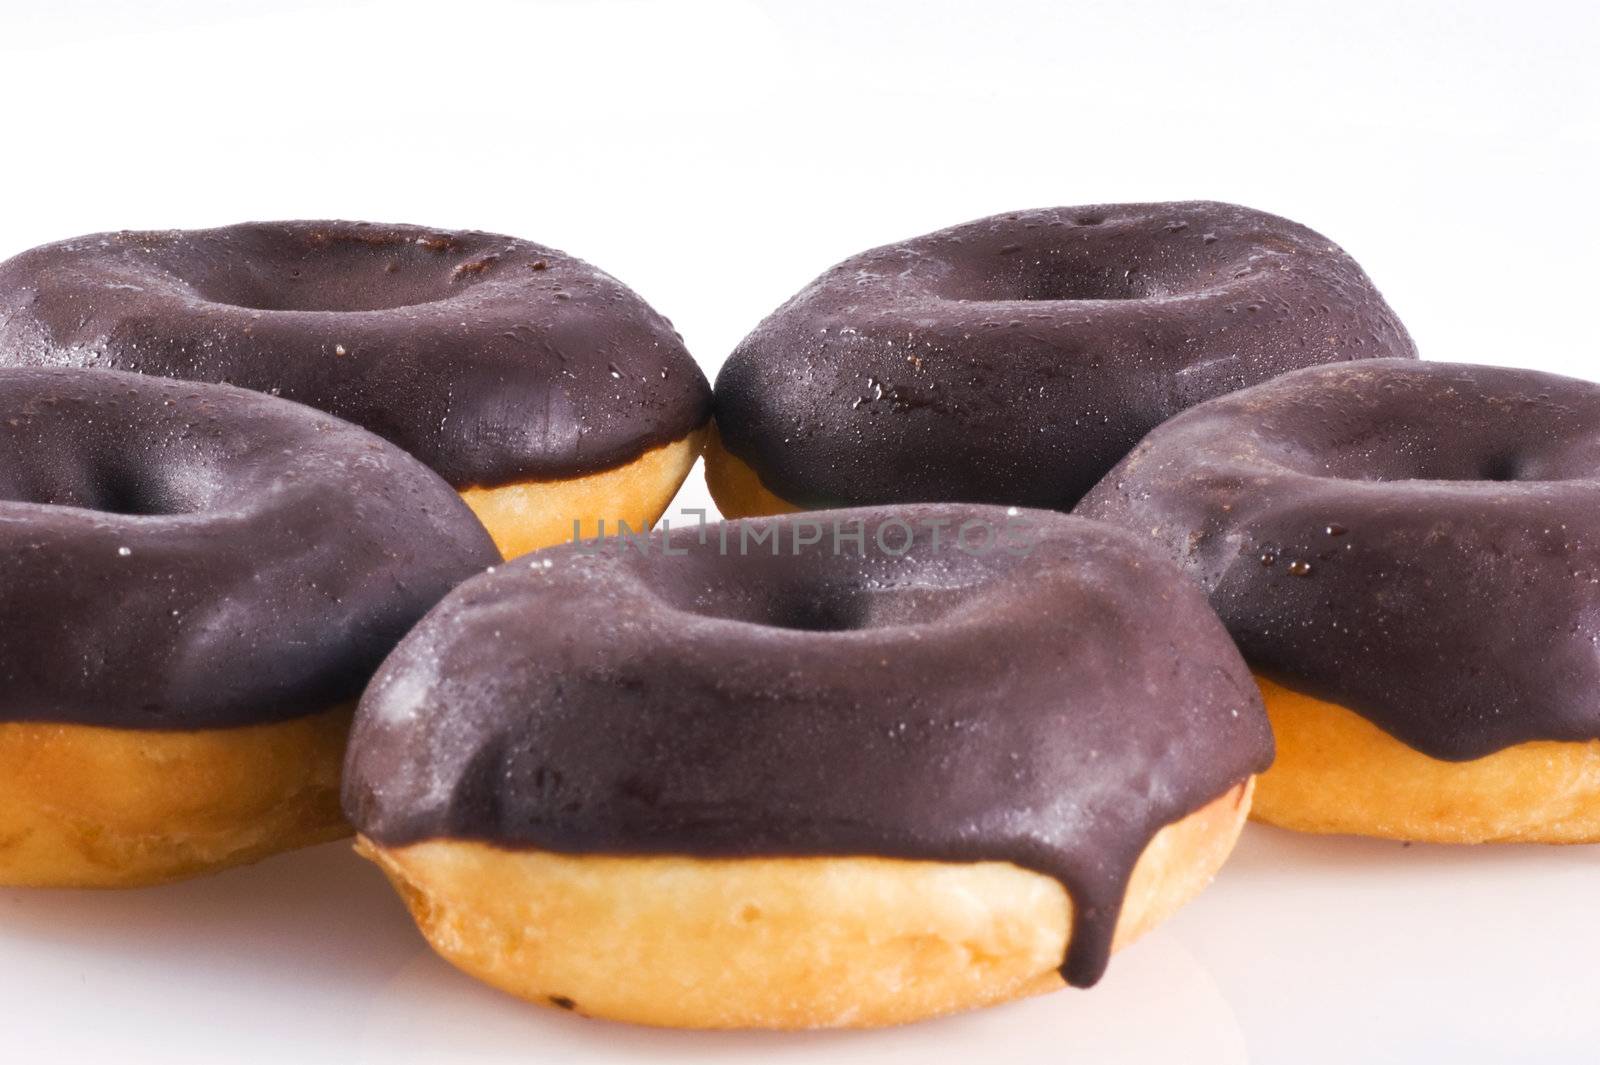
(1408, 554)
(1015, 359)
(196, 582)
(846, 769)
(542, 389)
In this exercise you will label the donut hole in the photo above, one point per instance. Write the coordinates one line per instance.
(1493, 470)
(344, 289)
(1103, 283)
(811, 614)
(343, 273)
(1402, 421)
(1502, 467)
(824, 585)
(1391, 460)
(794, 609)
(137, 497)
(116, 489)
(1055, 283)
(824, 607)
(1052, 277)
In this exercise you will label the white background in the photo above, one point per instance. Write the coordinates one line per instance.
(716, 156)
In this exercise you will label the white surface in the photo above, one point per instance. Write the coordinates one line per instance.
(1305, 951)
(716, 156)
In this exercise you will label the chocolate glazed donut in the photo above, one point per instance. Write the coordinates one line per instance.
(538, 386)
(797, 772)
(1409, 556)
(195, 583)
(1015, 359)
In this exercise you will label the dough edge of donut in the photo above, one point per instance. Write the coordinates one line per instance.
(782, 943)
(736, 488)
(1337, 773)
(94, 807)
(524, 516)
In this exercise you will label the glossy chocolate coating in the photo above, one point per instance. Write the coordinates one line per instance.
(1416, 541)
(1054, 709)
(1015, 359)
(491, 359)
(184, 556)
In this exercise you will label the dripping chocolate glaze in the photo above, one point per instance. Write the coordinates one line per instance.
(1015, 359)
(1416, 541)
(185, 556)
(1054, 710)
(491, 359)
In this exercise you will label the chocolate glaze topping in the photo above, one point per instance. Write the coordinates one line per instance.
(910, 699)
(1015, 359)
(491, 359)
(1416, 541)
(183, 556)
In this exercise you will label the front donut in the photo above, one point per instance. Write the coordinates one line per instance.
(195, 583)
(846, 769)
(1015, 359)
(543, 389)
(1408, 554)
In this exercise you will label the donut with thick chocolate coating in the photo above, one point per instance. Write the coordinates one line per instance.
(541, 388)
(844, 769)
(1016, 358)
(1408, 554)
(196, 582)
